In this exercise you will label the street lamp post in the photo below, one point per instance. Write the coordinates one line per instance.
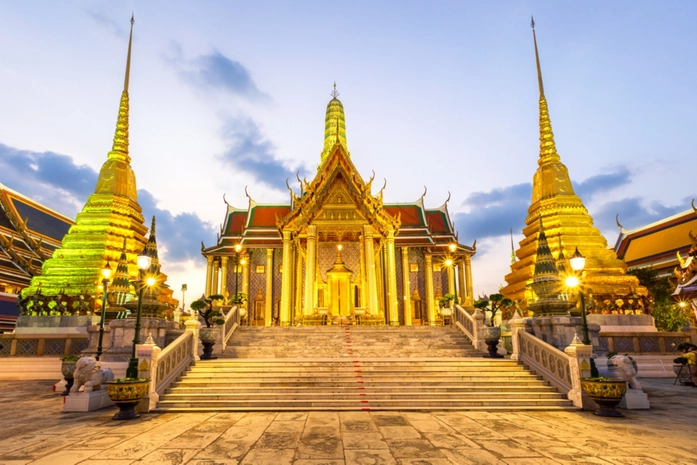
(143, 261)
(578, 262)
(106, 274)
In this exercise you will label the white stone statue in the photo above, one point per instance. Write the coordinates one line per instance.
(621, 366)
(89, 375)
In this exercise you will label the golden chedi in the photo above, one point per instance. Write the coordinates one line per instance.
(567, 226)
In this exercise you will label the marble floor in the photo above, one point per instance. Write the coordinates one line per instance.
(33, 430)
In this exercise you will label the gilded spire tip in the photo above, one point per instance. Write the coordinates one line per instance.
(334, 93)
(133, 15)
(537, 60)
(128, 57)
(532, 21)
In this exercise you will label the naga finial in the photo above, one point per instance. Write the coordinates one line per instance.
(247, 193)
(224, 200)
(617, 220)
(448, 199)
(424, 194)
(693, 205)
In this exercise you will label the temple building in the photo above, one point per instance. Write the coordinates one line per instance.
(110, 224)
(337, 253)
(29, 233)
(567, 226)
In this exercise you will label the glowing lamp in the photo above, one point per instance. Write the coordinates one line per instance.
(448, 262)
(150, 281)
(106, 271)
(452, 247)
(238, 248)
(339, 247)
(577, 261)
(144, 260)
(571, 281)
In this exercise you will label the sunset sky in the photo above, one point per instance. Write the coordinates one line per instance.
(228, 94)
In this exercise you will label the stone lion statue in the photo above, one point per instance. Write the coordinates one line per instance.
(621, 366)
(89, 375)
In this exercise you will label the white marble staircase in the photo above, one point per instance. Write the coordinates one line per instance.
(356, 368)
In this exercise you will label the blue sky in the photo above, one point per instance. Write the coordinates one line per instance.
(444, 94)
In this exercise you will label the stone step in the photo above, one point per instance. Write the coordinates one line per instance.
(406, 390)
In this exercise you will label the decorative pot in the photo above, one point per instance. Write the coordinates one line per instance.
(607, 393)
(67, 370)
(682, 371)
(208, 336)
(126, 395)
(491, 336)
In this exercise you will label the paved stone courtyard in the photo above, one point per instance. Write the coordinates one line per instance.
(35, 431)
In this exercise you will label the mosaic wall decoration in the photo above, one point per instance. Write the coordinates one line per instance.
(350, 253)
(78, 345)
(27, 347)
(649, 344)
(54, 346)
(277, 277)
(5, 346)
(417, 279)
(400, 285)
(256, 281)
(623, 344)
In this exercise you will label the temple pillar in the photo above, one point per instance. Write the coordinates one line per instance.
(214, 281)
(406, 286)
(209, 274)
(268, 308)
(286, 279)
(392, 297)
(223, 276)
(310, 270)
(462, 291)
(450, 270)
(468, 279)
(428, 276)
(298, 279)
(370, 270)
(244, 264)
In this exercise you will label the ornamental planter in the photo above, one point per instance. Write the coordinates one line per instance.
(607, 393)
(126, 395)
(67, 370)
(209, 336)
(491, 336)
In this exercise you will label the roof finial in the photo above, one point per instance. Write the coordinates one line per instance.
(334, 93)
(128, 59)
(512, 249)
(537, 58)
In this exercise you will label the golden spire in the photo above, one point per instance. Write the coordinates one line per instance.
(119, 150)
(548, 149)
(334, 126)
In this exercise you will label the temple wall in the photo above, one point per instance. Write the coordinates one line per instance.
(400, 286)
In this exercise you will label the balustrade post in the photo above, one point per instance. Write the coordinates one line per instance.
(193, 325)
(151, 399)
(580, 367)
(478, 341)
(516, 324)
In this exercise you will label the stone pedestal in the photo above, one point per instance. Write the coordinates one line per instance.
(559, 331)
(69, 324)
(123, 331)
(86, 401)
(635, 399)
(623, 323)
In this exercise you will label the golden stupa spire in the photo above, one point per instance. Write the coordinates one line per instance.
(563, 212)
(334, 126)
(119, 150)
(110, 218)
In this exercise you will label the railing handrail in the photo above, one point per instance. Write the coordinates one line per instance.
(556, 374)
(465, 321)
(169, 370)
(232, 320)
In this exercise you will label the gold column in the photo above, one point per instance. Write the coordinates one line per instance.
(461, 283)
(286, 282)
(451, 279)
(244, 265)
(223, 275)
(392, 297)
(428, 276)
(406, 287)
(468, 278)
(268, 309)
(214, 281)
(209, 274)
(310, 270)
(370, 270)
(298, 279)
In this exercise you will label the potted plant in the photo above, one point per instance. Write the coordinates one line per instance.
(492, 333)
(212, 317)
(446, 305)
(606, 392)
(126, 394)
(68, 363)
(239, 299)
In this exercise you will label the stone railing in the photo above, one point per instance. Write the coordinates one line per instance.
(470, 325)
(232, 321)
(642, 343)
(173, 360)
(563, 370)
(31, 345)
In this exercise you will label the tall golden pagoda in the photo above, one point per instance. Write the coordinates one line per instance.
(111, 216)
(566, 219)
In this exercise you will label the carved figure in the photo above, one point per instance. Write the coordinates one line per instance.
(622, 367)
(89, 375)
